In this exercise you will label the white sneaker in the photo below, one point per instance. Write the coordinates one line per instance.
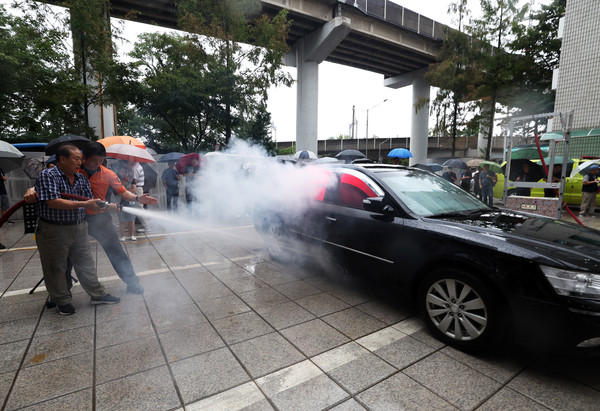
(133, 238)
(142, 230)
(122, 239)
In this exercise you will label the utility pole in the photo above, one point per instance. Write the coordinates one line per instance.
(353, 123)
(367, 130)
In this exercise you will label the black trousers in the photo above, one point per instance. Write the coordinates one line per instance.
(100, 227)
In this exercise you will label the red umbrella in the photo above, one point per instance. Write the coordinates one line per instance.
(129, 153)
(185, 161)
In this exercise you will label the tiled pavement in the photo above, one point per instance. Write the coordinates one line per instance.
(221, 326)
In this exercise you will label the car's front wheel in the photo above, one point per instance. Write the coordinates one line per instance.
(461, 310)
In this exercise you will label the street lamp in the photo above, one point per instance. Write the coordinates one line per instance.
(367, 127)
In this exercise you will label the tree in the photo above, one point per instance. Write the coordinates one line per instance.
(44, 86)
(456, 75)
(539, 52)
(492, 33)
(39, 87)
(228, 25)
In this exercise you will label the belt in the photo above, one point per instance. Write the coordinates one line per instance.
(61, 222)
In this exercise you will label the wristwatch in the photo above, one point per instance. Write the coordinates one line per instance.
(137, 198)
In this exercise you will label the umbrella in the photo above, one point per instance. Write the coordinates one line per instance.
(584, 167)
(150, 177)
(129, 153)
(558, 160)
(362, 161)
(35, 166)
(78, 141)
(474, 162)
(173, 156)
(527, 151)
(400, 153)
(327, 160)
(109, 141)
(433, 167)
(455, 162)
(495, 167)
(305, 155)
(516, 166)
(349, 155)
(10, 157)
(184, 162)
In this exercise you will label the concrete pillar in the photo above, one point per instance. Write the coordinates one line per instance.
(101, 118)
(420, 119)
(307, 102)
(306, 55)
(419, 122)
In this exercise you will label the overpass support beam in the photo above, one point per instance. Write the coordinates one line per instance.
(419, 119)
(306, 55)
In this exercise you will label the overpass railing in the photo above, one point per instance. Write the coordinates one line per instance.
(399, 16)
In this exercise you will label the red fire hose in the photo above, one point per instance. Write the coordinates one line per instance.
(21, 203)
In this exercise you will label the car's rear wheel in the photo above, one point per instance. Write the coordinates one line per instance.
(461, 310)
(274, 240)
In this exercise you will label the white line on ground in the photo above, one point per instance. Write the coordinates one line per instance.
(140, 274)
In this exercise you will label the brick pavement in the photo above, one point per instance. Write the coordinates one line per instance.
(221, 326)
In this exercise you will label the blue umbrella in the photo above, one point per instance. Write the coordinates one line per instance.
(174, 156)
(400, 153)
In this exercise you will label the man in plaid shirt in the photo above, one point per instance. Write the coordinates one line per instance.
(62, 231)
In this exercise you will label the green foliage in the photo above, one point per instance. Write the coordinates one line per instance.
(288, 151)
(340, 137)
(246, 70)
(39, 87)
(538, 48)
(456, 74)
(195, 92)
(42, 94)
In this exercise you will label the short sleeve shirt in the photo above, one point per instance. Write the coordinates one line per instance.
(50, 183)
(487, 178)
(138, 174)
(170, 177)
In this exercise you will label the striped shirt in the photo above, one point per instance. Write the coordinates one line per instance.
(50, 183)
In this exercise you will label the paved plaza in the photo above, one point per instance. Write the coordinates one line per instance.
(221, 326)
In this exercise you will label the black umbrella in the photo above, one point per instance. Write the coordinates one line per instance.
(455, 162)
(349, 155)
(150, 177)
(78, 141)
(173, 156)
(536, 171)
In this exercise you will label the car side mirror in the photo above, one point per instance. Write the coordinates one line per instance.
(377, 205)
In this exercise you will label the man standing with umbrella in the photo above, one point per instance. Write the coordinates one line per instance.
(170, 178)
(589, 191)
(487, 180)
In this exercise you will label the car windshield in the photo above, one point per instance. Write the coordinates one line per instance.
(429, 195)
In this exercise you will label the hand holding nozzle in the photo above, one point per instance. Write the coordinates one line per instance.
(105, 205)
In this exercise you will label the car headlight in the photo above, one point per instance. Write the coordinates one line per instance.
(573, 283)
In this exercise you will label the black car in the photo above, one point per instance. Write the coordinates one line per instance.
(479, 275)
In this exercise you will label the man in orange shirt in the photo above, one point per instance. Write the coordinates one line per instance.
(100, 225)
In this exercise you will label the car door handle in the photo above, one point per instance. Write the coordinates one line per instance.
(331, 219)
